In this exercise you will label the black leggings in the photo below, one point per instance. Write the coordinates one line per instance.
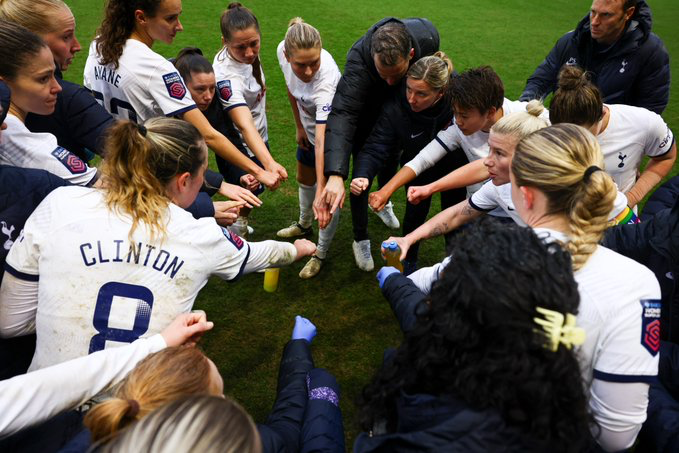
(359, 204)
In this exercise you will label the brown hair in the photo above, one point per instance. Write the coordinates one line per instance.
(142, 160)
(391, 43)
(18, 46)
(236, 18)
(118, 25)
(158, 379)
(556, 160)
(479, 88)
(577, 100)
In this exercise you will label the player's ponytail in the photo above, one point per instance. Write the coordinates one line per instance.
(565, 163)
(521, 124)
(577, 100)
(301, 36)
(18, 47)
(157, 380)
(118, 25)
(236, 18)
(435, 70)
(191, 60)
(140, 163)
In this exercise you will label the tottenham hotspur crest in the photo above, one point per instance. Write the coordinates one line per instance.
(572, 61)
(622, 68)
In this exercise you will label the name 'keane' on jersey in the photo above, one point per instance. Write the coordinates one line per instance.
(107, 75)
(146, 255)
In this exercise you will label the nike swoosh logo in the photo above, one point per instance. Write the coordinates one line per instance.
(510, 208)
(416, 135)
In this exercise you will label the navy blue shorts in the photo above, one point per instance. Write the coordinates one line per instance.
(307, 156)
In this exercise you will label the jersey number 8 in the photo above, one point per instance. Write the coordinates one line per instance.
(102, 311)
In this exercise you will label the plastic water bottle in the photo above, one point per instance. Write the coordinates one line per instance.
(392, 254)
(271, 279)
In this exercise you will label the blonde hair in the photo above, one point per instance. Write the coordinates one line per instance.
(559, 160)
(207, 424)
(141, 161)
(36, 15)
(521, 124)
(160, 378)
(434, 70)
(301, 36)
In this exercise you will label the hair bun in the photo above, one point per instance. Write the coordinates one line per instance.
(572, 78)
(535, 107)
(295, 21)
(233, 5)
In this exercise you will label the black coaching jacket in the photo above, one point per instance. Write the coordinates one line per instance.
(633, 71)
(361, 93)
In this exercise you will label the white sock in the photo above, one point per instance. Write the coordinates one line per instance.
(325, 236)
(306, 201)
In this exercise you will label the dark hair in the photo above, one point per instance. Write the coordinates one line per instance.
(477, 341)
(391, 43)
(629, 4)
(191, 59)
(577, 100)
(480, 88)
(236, 18)
(118, 25)
(17, 47)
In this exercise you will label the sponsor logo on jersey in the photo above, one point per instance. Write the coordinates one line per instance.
(650, 326)
(175, 85)
(236, 240)
(327, 108)
(667, 138)
(69, 160)
(224, 89)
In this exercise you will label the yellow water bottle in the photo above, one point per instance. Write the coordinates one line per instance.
(392, 253)
(271, 279)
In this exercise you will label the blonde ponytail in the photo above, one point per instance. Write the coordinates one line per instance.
(521, 124)
(301, 36)
(435, 70)
(563, 162)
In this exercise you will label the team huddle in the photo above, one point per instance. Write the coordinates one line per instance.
(540, 331)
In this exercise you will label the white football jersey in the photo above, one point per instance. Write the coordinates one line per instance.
(94, 290)
(475, 146)
(314, 99)
(490, 197)
(237, 86)
(144, 85)
(22, 148)
(631, 134)
(620, 312)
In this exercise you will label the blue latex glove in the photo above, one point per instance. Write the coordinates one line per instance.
(384, 273)
(303, 330)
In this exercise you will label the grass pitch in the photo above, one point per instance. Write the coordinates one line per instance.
(354, 322)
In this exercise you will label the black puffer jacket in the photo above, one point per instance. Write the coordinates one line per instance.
(361, 93)
(398, 129)
(633, 71)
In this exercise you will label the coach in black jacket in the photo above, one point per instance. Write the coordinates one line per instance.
(628, 63)
(359, 97)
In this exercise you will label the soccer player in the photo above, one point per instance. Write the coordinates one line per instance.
(133, 82)
(96, 267)
(27, 67)
(625, 133)
(311, 76)
(241, 88)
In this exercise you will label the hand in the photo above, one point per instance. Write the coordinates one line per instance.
(358, 185)
(302, 139)
(384, 273)
(321, 209)
(304, 248)
(333, 193)
(378, 200)
(249, 182)
(418, 193)
(275, 167)
(403, 243)
(303, 330)
(226, 212)
(270, 180)
(237, 193)
(186, 328)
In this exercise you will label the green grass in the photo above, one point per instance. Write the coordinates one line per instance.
(354, 322)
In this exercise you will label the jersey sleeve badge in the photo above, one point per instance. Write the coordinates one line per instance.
(650, 326)
(233, 238)
(69, 160)
(175, 85)
(224, 89)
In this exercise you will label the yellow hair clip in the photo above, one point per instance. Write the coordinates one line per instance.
(559, 329)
